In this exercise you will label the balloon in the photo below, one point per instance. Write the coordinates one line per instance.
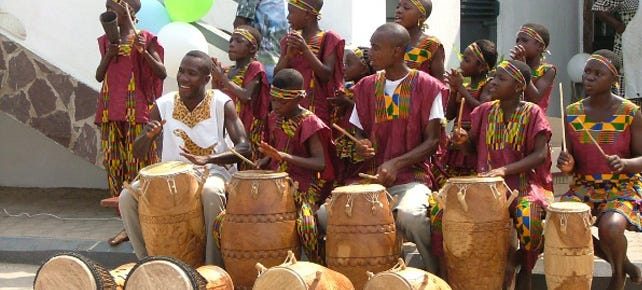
(188, 10)
(152, 16)
(575, 66)
(178, 38)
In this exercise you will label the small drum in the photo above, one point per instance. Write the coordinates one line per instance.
(476, 231)
(259, 223)
(404, 278)
(361, 233)
(75, 272)
(171, 211)
(162, 272)
(295, 275)
(568, 251)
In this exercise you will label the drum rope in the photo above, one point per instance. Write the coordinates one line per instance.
(563, 222)
(373, 198)
(28, 215)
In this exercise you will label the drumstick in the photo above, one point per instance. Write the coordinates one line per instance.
(461, 111)
(368, 176)
(562, 117)
(242, 157)
(592, 139)
(344, 132)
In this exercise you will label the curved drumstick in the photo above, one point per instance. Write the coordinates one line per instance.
(461, 112)
(592, 139)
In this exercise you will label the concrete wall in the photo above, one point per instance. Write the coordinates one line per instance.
(563, 20)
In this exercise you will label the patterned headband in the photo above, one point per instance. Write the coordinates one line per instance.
(532, 34)
(605, 61)
(514, 72)
(301, 4)
(246, 34)
(361, 55)
(283, 94)
(474, 47)
(420, 7)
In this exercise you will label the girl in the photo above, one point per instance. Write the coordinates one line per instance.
(246, 83)
(610, 184)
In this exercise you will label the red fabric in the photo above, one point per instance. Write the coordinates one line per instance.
(331, 43)
(297, 146)
(259, 107)
(119, 72)
(396, 137)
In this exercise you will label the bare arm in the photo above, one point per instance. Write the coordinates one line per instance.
(153, 59)
(144, 141)
(611, 20)
(315, 162)
(535, 91)
(245, 94)
(112, 51)
(235, 128)
(536, 158)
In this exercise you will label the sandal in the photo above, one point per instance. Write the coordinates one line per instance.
(118, 238)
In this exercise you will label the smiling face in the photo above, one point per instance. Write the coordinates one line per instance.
(192, 77)
(407, 14)
(597, 78)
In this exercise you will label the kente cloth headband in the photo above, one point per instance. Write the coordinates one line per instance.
(419, 7)
(286, 94)
(477, 52)
(532, 34)
(513, 71)
(605, 61)
(305, 6)
(246, 34)
(361, 55)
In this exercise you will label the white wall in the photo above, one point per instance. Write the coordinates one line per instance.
(564, 24)
(354, 20)
(444, 22)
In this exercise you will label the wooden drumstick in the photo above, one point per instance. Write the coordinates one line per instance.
(592, 139)
(562, 117)
(462, 102)
(368, 176)
(242, 157)
(344, 132)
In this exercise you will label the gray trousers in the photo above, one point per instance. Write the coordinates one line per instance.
(410, 209)
(213, 197)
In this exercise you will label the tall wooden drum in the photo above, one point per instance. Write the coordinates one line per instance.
(476, 231)
(405, 278)
(361, 233)
(259, 224)
(295, 275)
(568, 251)
(75, 272)
(171, 211)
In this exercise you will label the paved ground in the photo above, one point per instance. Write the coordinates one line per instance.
(37, 223)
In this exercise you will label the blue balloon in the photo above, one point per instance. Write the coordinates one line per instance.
(152, 16)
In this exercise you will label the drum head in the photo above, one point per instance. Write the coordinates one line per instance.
(359, 188)
(280, 278)
(474, 179)
(71, 271)
(160, 272)
(259, 174)
(166, 168)
(568, 207)
(387, 280)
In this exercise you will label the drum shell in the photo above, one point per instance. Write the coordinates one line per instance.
(361, 236)
(301, 276)
(164, 272)
(73, 271)
(172, 223)
(216, 277)
(259, 224)
(568, 253)
(476, 231)
(406, 279)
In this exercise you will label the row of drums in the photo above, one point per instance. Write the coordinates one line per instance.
(75, 272)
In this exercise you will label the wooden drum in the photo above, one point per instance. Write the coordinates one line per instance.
(568, 251)
(361, 233)
(259, 224)
(405, 278)
(295, 275)
(75, 272)
(162, 272)
(171, 210)
(476, 231)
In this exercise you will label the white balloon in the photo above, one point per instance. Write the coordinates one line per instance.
(178, 38)
(575, 66)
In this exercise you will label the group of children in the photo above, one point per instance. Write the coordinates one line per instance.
(394, 96)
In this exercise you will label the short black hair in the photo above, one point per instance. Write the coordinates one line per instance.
(489, 51)
(398, 35)
(523, 68)
(317, 4)
(206, 67)
(288, 79)
(428, 6)
(611, 56)
(541, 30)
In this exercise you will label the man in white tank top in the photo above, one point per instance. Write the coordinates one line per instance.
(201, 122)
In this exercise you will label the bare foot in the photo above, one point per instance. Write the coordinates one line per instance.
(634, 272)
(118, 238)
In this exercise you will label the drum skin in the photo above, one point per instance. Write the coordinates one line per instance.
(259, 224)
(361, 234)
(568, 251)
(171, 211)
(163, 272)
(405, 278)
(74, 272)
(476, 231)
(295, 275)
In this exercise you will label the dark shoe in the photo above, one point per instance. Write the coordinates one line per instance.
(119, 238)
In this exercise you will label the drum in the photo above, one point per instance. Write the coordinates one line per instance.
(259, 224)
(476, 231)
(76, 272)
(163, 272)
(568, 251)
(405, 278)
(361, 233)
(295, 275)
(120, 274)
(171, 211)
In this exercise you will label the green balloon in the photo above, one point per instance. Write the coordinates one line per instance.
(188, 10)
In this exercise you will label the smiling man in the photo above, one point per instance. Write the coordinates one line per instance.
(205, 120)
